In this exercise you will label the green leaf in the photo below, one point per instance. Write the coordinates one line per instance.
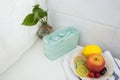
(37, 5)
(46, 13)
(35, 9)
(29, 20)
(36, 16)
(39, 13)
(35, 12)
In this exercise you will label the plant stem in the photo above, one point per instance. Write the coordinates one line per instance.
(44, 20)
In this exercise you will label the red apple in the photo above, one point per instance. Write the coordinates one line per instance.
(95, 62)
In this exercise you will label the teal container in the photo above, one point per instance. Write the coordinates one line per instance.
(60, 42)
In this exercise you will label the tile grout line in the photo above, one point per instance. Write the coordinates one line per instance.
(85, 19)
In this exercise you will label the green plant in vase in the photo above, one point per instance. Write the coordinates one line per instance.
(38, 15)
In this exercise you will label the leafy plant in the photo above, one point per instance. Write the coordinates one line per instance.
(37, 15)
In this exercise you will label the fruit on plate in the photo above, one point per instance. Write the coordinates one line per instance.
(82, 71)
(91, 75)
(102, 72)
(94, 65)
(80, 62)
(97, 74)
(95, 62)
(91, 49)
(78, 58)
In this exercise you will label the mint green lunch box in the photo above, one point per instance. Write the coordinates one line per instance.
(60, 42)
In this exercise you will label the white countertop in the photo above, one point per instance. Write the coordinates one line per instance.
(34, 65)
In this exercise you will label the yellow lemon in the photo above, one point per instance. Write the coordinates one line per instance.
(91, 49)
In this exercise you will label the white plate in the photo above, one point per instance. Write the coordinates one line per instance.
(108, 65)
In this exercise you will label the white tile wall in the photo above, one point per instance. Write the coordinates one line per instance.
(102, 11)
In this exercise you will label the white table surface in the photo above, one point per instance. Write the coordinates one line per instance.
(34, 65)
